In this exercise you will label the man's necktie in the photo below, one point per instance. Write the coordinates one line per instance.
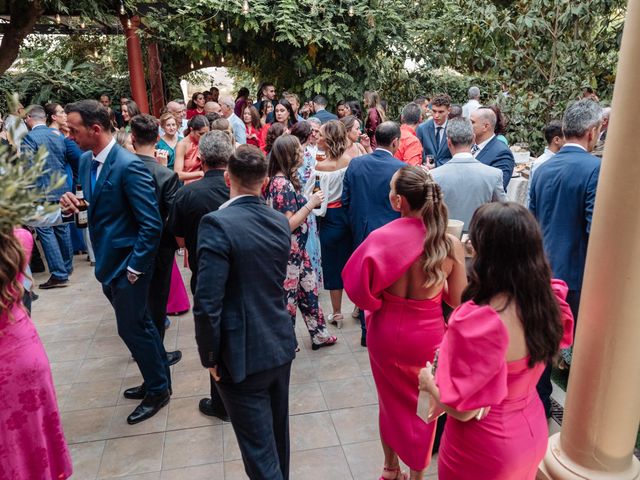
(474, 149)
(438, 135)
(94, 173)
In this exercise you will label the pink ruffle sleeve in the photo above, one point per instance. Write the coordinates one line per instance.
(381, 260)
(566, 317)
(472, 370)
(26, 240)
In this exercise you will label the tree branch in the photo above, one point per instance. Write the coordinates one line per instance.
(24, 15)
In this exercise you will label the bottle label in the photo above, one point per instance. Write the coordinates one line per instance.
(83, 217)
(80, 195)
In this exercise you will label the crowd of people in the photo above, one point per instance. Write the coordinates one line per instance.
(272, 201)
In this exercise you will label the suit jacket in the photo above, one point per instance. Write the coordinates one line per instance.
(497, 154)
(426, 133)
(365, 192)
(167, 185)
(325, 116)
(124, 220)
(55, 163)
(242, 324)
(563, 194)
(468, 184)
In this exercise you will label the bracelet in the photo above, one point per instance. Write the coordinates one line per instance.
(305, 206)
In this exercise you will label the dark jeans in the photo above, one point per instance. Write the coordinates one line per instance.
(259, 411)
(137, 330)
(544, 386)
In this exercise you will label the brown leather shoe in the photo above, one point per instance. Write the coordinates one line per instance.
(53, 283)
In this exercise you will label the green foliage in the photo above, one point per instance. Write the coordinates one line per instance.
(66, 69)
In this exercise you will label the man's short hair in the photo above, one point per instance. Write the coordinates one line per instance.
(227, 100)
(441, 100)
(581, 116)
(320, 100)
(248, 165)
(488, 115)
(91, 112)
(460, 132)
(386, 133)
(551, 130)
(215, 149)
(474, 93)
(411, 114)
(420, 99)
(36, 112)
(455, 112)
(144, 128)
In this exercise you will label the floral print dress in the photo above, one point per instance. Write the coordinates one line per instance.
(313, 240)
(301, 284)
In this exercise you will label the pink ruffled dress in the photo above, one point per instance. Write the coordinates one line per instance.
(402, 333)
(472, 373)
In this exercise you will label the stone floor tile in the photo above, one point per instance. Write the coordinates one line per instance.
(85, 458)
(99, 393)
(191, 384)
(212, 471)
(335, 367)
(306, 398)
(230, 441)
(234, 470)
(312, 430)
(132, 455)
(120, 428)
(358, 424)
(107, 368)
(108, 347)
(107, 328)
(64, 373)
(87, 425)
(345, 393)
(77, 331)
(190, 362)
(184, 413)
(302, 371)
(364, 363)
(142, 476)
(194, 446)
(320, 464)
(67, 350)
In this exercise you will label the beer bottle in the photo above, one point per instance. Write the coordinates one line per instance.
(82, 217)
(316, 185)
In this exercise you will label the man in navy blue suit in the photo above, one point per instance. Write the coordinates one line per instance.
(244, 333)
(55, 240)
(320, 107)
(365, 191)
(488, 149)
(433, 133)
(125, 229)
(563, 194)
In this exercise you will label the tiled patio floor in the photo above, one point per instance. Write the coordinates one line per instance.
(333, 403)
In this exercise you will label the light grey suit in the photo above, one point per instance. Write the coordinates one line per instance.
(467, 184)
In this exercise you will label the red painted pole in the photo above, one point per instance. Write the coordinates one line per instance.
(136, 67)
(155, 75)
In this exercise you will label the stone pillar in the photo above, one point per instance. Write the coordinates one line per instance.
(136, 66)
(602, 411)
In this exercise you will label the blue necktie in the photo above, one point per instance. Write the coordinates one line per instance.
(94, 174)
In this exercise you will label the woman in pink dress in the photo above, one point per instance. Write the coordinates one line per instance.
(400, 275)
(497, 344)
(32, 444)
(178, 302)
(187, 164)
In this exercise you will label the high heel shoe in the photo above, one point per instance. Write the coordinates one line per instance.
(336, 319)
(327, 343)
(400, 475)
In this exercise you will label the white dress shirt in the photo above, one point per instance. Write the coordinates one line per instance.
(470, 107)
(482, 145)
(231, 200)
(102, 156)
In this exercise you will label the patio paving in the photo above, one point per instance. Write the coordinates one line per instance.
(333, 402)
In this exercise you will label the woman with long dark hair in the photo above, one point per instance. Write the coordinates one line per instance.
(375, 115)
(513, 322)
(401, 274)
(129, 110)
(188, 165)
(251, 119)
(358, 143)
(284, 194)
(196, 105)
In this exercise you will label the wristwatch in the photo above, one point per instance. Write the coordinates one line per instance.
(132, 277)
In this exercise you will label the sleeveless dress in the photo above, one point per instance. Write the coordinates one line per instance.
(163, 145)
(192, 161)
(32, 444)
(472, 373)
(402, 334)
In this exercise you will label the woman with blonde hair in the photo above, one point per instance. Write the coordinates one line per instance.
(400, 275)
(333, 224)
(375, 115)
(284, 194)
(170, 138)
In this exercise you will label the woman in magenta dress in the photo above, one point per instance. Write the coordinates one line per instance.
(497, 344)
(32, 444)
(400, 274)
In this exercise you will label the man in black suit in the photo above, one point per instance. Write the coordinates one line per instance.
(194, 201)
(244, 333)
(144, 136)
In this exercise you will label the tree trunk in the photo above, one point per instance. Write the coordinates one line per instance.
(24, 15)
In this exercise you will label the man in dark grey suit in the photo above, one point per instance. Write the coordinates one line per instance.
(244, 333)
(466, 182)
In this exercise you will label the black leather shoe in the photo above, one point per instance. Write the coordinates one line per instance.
(150, 405)
(135, 393)
(206, 407)
(53, 283)
(174, 357)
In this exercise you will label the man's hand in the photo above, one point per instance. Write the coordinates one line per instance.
(214, 373)
(69, 203)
